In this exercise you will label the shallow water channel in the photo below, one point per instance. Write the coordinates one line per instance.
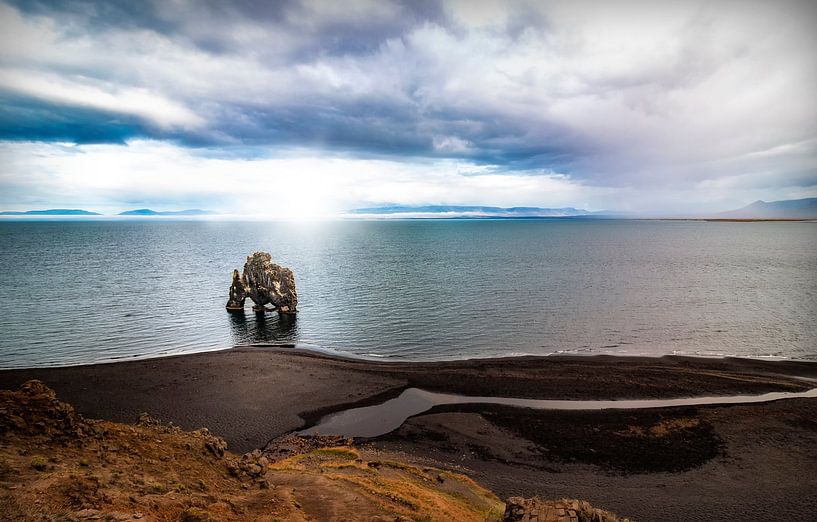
(372, 421)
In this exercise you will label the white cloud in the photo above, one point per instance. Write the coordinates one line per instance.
(289, 183)
(633, 101)
(297, 183)
(84, 92)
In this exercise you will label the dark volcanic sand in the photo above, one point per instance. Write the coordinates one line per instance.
(739, 462)
(756, 462)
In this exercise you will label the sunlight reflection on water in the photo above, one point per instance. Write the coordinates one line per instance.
(80, 292)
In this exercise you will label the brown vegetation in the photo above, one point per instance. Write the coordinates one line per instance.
(56, 465)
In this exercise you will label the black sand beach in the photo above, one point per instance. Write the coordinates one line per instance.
(691, 463)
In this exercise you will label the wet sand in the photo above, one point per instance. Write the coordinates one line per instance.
(673, 464)
(755, 462)
(249, 395)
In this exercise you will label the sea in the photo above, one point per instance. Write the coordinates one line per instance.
(92, 291)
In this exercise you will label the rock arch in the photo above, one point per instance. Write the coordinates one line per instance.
(266, 284)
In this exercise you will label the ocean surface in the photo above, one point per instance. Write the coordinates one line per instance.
(80, 292)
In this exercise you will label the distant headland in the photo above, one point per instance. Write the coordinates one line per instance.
(140, 212)
(784, 210)
(474, 211)
(150, 212)
(50, 212)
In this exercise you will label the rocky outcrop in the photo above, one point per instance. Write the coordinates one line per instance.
(36, 411)
(518, 509)
(253, 464)
(56, 465)
(266, 284)
(237, 293)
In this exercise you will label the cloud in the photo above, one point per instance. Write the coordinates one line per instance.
(309, 183)
(276, 183)
(626, 96)
(82, 93)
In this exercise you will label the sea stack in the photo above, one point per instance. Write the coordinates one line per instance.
(265, 283)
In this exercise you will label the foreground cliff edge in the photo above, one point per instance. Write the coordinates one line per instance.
(57, 465)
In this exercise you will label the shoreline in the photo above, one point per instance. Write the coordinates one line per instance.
(250, 395)
(674, 463)
(330, 353)
(378, 359)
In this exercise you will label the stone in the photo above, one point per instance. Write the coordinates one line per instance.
(518, 509)
(238, 294)
(37, 411)
(265, 283)
(252, 464)
(215, 445)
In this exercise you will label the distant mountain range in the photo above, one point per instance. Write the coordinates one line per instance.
(472, 211)
(50, 212)
(149, 212)
(79, 212)
(787, 209)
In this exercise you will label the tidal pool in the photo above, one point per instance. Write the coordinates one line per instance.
(373, 421)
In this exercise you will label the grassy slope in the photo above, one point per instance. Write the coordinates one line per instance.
(56, 465)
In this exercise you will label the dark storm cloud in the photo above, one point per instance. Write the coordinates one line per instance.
(33, 120)
(209, 23)
(635, 93)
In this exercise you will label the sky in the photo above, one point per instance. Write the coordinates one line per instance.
(308, 108)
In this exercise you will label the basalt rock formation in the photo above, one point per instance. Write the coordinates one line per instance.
(238, 294)
(265, 283)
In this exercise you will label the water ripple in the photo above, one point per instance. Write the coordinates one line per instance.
(82, 292)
